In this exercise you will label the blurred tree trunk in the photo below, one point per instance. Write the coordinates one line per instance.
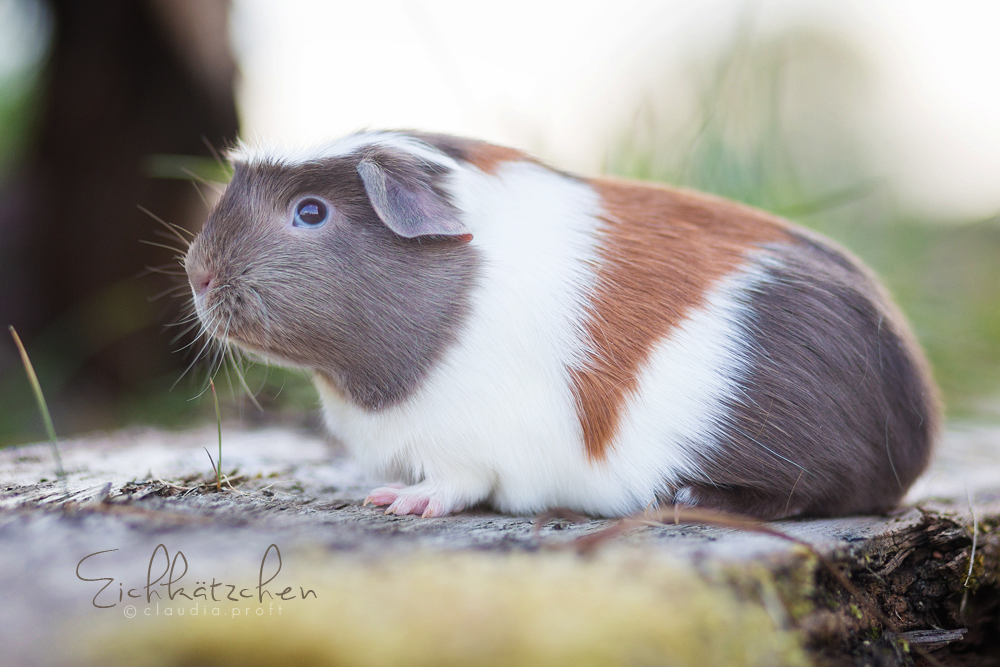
(124, 80)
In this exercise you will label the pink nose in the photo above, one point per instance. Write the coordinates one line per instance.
(202, 282)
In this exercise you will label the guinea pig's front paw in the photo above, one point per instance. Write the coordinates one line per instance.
(423, 499)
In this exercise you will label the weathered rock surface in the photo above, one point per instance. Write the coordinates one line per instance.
(125, 494)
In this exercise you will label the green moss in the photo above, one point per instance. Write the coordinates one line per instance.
(786, 589)
(478, 609)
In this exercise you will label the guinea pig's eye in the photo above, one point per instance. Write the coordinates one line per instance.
(311, 213)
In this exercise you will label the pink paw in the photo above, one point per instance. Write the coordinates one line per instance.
(409, 500)
(383, 495)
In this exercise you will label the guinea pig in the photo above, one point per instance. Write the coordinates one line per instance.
(485, 329)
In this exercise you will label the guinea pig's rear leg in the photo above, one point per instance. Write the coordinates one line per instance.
(429, 498)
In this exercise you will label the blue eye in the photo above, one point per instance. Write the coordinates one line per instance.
(311, 213)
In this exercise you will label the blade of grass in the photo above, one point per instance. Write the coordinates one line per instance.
(43, 408)
(218, 421)
(211, 461)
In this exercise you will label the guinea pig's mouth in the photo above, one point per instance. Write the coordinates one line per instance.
(234, 314)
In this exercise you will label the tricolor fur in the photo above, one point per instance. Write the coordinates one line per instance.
(530, 339)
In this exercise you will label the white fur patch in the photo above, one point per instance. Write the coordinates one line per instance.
(260, 153)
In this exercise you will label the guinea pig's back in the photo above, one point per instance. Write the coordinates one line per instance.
(811, 397)
(836, 413)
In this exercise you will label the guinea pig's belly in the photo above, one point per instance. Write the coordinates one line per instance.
(585, 486)
(519, 470)
(522, 452)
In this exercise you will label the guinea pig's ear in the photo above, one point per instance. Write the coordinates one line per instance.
(400, 188)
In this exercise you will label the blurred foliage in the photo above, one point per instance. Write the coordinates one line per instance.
(188, 167)
(778, 123)
(20, 77)
(20, 103)
(18, 106)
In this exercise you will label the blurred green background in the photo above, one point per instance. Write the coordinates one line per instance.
(774, 123)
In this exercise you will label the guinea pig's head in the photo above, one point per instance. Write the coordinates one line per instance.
(356, 267)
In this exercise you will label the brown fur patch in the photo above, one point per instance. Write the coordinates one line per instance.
(488, 157)
(480, 154)
(661, 250)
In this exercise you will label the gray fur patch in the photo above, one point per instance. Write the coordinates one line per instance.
(835, 416)
(367, 309)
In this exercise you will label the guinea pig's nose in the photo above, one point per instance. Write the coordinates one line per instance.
(201, 281)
